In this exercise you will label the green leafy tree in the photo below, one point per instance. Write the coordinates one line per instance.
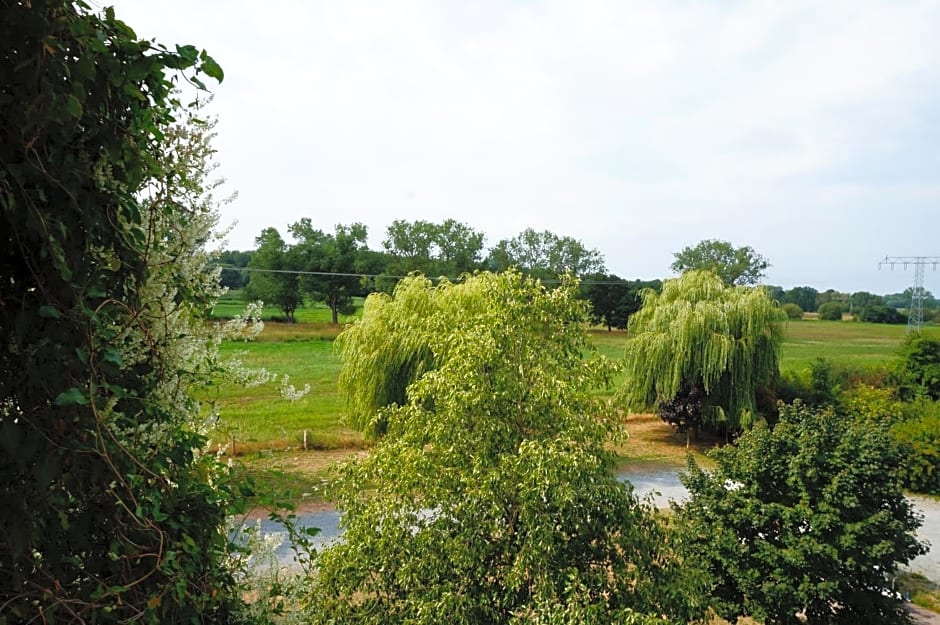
(793, 311)
(545, 255)
(917, 370)
(449, 248)
(830, 311)
(919, 436)
(881, 314)
(775, 292)
(275, 281)
(491, 498)
(898, 300)
(903, 299)
(802, 296)
(613, 299)
(334, 262)
(233, 262)
(700, 332)
(864, 299)
(832, 296)
(109, 514)
(807, 517)
(734, 265)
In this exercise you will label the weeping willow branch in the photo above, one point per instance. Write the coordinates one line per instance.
(699, 331)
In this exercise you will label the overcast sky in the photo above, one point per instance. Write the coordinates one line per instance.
(808, 130)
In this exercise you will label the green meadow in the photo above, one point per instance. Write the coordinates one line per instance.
(258, 418)
(848, 343)
(233, 304)
(287, 446)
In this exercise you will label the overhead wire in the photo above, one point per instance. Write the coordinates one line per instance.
(341, 274)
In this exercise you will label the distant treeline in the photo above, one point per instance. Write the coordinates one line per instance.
(335, 267)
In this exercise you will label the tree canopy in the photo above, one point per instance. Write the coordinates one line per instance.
(803, 296)
(734, 265)
(275, 282)
(233, 263)
(699, 333)
(491, 497)
(917, 370)
(449, 248)
(333, 262)
(324, 267)
(807, 517)
(545, 255)
(613, 299)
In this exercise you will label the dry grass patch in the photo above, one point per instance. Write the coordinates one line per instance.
(922, 591)
(653, 440)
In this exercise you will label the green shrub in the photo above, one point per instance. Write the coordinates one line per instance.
(881, 314)
(817, 385)
(919, 437)
(830, 311)
(914, 426)
(793, 311)
(918, 367)
(873, 404)
(807, 517)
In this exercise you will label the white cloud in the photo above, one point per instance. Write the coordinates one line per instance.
(639, 127)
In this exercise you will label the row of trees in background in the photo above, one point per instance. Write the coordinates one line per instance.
(451, 248)
(831, 304)
(334, 267)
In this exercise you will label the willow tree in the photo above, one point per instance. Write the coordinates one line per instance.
(383, 353)
(491, 498)
(699, 350)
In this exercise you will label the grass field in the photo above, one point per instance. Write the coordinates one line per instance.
(233, 303)
(849, 343)
(258, 418)
(267, 431)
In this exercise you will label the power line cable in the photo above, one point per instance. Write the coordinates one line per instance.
(385, 275)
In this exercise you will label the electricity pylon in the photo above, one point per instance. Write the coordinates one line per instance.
(915, 318)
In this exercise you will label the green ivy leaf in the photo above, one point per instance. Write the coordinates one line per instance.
(71, 397)
(113, 357)
(211, 68)
(188, 52)
(49, 312)
(73, 107)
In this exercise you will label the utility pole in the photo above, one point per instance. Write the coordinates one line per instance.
(915, 318)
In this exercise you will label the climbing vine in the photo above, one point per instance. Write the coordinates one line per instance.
(111, 513)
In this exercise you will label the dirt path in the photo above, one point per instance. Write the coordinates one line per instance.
(922, 616)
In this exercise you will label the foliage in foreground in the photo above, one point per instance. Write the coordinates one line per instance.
(702, 337)
(491, 499)
(808, 516)
(109, 511)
